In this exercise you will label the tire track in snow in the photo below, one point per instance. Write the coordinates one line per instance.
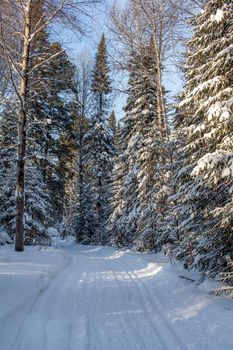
(64, 290)
(176, 341)
(73, 292)
(148, 318)
(91, 300)
(20, 335)
(54, 297)
(123, 321)
(98, 312)
(174, 314)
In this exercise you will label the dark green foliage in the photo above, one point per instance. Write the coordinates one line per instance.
(205, 179)
(98, 152)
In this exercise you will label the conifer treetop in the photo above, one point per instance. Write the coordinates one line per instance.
(100, 79)
(112, 121)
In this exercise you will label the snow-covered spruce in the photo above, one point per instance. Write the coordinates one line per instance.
(98, 153)
(204, 196)
(133, 221)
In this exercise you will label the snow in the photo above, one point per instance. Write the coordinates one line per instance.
(226, 51)
(228, 171)
(218, 110)
(5, 238)
(212, 160)
(218, 16)
(97, 298)
(52, 231)
(211, 84)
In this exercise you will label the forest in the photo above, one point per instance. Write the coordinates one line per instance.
(116, 174)
(94, 144)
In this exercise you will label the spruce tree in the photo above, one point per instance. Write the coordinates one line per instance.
(116, 227)
(36, 197)
(49, 118)
(149, 158)
(80, 216)
(112, 122)
(50, 113)
(206, 179)
(124, 217)
(98, 150)
(7, 170)
(134, 173)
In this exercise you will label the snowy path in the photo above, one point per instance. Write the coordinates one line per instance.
(100, 299)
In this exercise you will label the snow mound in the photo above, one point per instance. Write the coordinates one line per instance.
(52, 231)
(5, 238)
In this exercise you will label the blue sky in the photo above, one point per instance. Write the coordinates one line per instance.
(77, 44)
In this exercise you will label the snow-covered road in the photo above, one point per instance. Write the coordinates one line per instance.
(87, 297)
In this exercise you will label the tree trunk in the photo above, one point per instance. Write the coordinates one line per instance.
(80, 179)
(161, 110)
(160, 99)
(22, 119)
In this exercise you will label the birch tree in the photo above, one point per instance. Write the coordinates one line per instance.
(151, 21)
(18, 30)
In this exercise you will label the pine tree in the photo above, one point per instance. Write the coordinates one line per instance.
(7, 170)
(50, 113)
(116, 227)
(101, 84)
(36, 198)
(37, 206)
(206, 178)
(149, 159)
(135, 170)
(125, 205)
(112, 122)
(48, 119)
(80, 216)
(98, 148)
(51, 119)
(169, 224)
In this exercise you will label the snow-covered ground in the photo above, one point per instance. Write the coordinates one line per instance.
(88, 297)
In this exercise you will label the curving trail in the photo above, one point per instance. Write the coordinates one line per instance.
(107, 300)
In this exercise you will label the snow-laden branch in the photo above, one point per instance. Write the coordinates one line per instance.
(46, 60)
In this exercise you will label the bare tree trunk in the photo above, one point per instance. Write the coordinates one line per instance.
(161, 103)
(80, 179)
(157, 41)
(22, 119)
(17, 32)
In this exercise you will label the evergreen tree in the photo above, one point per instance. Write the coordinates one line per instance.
(101, 84)
(98, 150)
(124, 216)
(36, 198)
(116, 227)
(204, 198)
(7, 170)
(112, 122)
(80, 217)
(135, 169)
(49, 119)
(169, 225)
(149, 159)
(51, 116)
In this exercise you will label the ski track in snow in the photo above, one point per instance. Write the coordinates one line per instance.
(100, 299)
(154, 315)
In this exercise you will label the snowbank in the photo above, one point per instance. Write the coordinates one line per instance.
(5, 238)
(23, 276)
